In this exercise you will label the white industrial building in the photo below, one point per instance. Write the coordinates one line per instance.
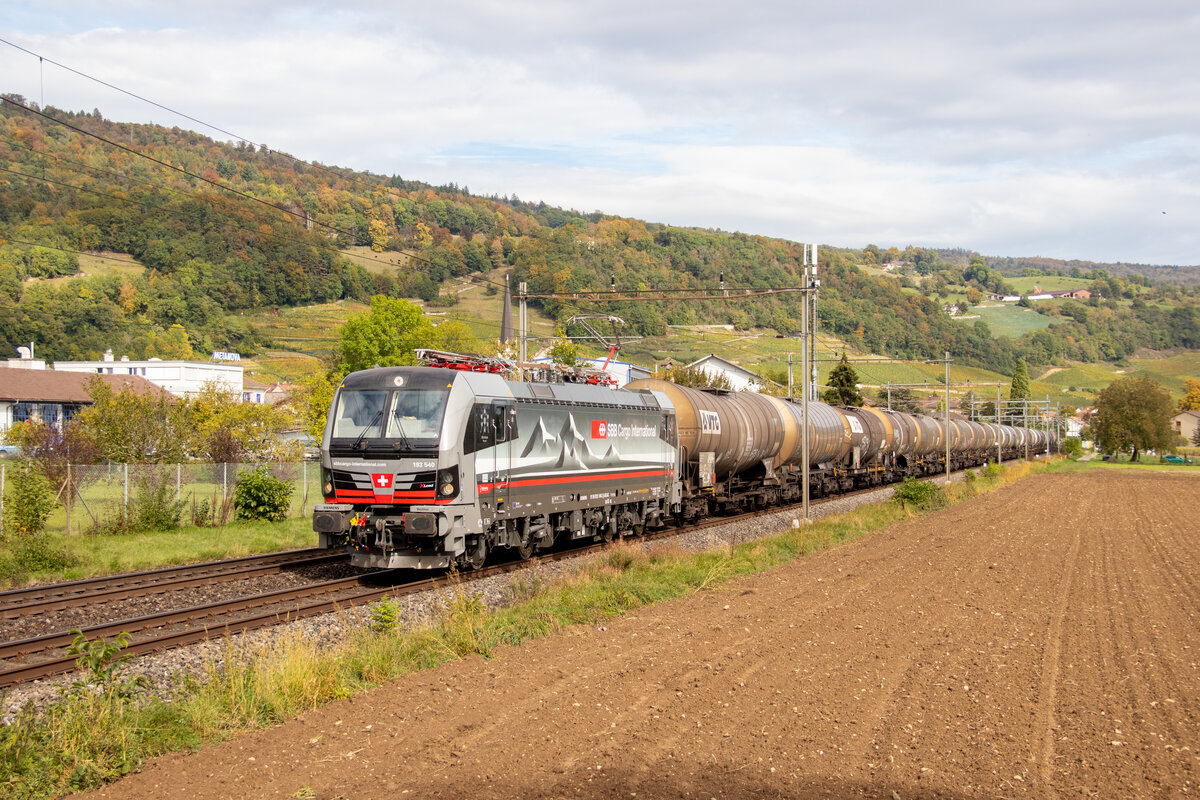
(180, 378)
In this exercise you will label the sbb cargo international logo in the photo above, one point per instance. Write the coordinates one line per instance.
(599, 429)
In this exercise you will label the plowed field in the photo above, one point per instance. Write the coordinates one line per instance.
(1041, 641)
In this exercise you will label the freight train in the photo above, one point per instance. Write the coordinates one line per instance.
(429, 467)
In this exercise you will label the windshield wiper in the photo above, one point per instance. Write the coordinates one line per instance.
(400, 430)
(361, 436)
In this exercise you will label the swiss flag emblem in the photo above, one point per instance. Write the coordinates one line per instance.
(599, 429)
(382, 481)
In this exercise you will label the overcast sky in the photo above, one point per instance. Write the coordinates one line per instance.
(1068, 129)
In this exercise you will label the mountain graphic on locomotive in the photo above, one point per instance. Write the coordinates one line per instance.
(429, 467)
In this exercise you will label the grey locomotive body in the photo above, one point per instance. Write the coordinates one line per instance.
(485, 463)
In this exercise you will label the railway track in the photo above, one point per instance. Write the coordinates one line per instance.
(59, 596)
(44, 656)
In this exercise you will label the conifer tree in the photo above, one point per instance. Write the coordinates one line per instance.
(843, 385)
(1020, 382)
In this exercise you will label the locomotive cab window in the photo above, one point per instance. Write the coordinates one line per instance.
(416, 413)
(411, 418)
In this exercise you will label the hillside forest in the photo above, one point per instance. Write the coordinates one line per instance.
(205, 231)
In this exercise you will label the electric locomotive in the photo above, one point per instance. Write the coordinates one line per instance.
(430, 467)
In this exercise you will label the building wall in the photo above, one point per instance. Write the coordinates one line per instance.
(180, 378)
(1185, 425)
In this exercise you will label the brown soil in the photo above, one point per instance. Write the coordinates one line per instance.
(1041, 641)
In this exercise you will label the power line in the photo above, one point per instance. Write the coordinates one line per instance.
(244, 195)
(353, 176)
(148, 207)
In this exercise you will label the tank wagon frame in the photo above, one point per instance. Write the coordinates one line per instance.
(429, 467)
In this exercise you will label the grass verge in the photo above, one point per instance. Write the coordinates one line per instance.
(98, 732)
(89, 555)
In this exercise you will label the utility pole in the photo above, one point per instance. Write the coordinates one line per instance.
(804, 367)
(523, 322)
(789, 363)
(948, 429)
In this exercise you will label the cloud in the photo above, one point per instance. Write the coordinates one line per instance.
(1020, 128)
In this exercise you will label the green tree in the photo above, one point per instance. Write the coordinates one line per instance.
(1020, 382)
(565, 352)
(134, 428)
(902, 400)
(698, 378)
(385, 336)
(1133, 414)
(843, 385)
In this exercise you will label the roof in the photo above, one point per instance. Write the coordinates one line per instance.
(50, 386)
(724, 364)
(1188, 413)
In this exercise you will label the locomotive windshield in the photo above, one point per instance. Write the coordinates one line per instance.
(410, 417)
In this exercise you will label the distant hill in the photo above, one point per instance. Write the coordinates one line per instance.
(204, 232)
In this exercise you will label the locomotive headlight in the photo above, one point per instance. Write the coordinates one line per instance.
(327, 482)
(448, 483)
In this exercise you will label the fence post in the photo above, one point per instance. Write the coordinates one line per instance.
(224, 482)
(178, 467)
(67, 499)
(304, 493)
(125, 503)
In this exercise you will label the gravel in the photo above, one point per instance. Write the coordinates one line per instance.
(164, 670)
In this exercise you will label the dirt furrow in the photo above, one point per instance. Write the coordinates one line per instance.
(1035, 642)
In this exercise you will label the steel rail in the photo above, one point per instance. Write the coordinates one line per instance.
(58, 596)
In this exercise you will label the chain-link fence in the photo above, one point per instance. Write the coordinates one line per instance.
(96, 497)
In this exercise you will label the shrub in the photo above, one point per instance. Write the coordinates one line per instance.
(922, 495)
(260, 495)
(991, 471)
(27, 503)
(153, 507)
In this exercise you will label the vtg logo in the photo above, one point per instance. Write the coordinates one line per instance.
(599, 429)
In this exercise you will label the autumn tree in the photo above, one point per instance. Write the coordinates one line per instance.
(1191, 400)
(228, 431)
(1133, 414)
(843, 385)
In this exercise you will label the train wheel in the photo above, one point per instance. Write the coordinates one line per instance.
(525, 548)
(477, 554)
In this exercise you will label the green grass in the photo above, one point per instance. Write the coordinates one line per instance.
(1048, 283)
(386, 262)
(104, 264)
(132, 552)
(481, 312)
(90, 738)
(1010, 319)
(308, 329)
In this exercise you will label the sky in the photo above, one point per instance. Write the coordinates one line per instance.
(1059, 128)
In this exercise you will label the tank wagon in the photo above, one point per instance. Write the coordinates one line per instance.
(427, 467)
